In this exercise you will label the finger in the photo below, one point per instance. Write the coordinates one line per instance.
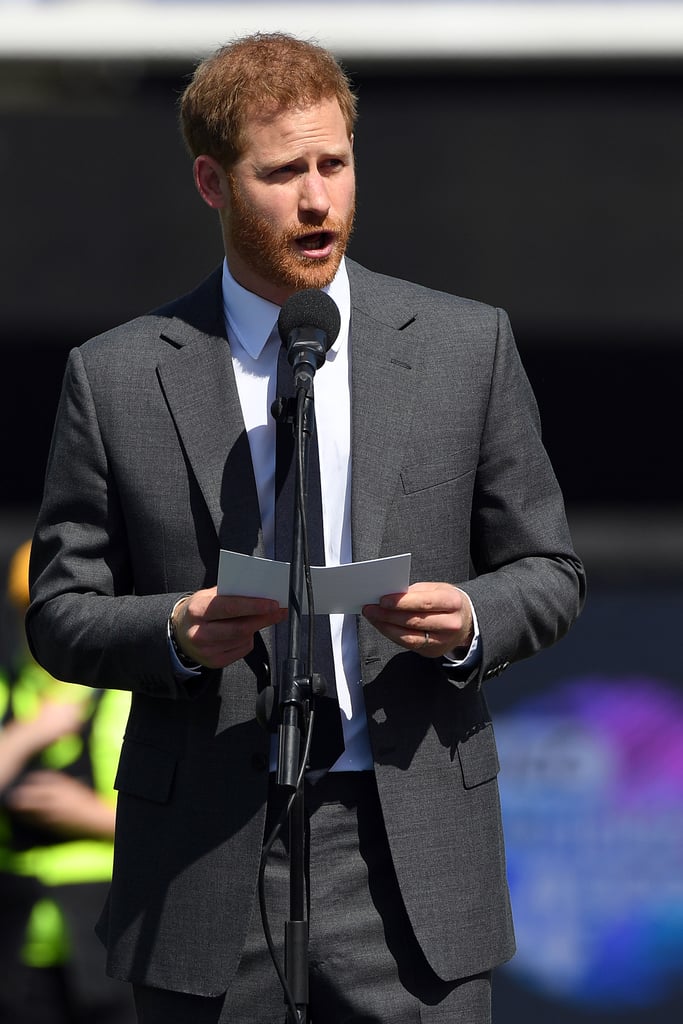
(432, 635)
(210, 605)
(228, 632)
(425, 598)
(210, 637)
(404, 619)
(420, 641)
(219, 642)
(235, 607)
(222, 655)
(410, 619)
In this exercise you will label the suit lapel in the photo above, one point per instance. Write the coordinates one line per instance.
(199, 384)
(200, 388)
(384, 384)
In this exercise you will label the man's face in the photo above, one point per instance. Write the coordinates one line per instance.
(291, 202)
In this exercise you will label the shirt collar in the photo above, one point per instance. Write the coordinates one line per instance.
(251, 320)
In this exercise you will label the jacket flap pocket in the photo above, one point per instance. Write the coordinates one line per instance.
(145, 771)
(478, 757)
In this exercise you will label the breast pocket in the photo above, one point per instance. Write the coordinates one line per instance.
(431, 514)
(431, 472)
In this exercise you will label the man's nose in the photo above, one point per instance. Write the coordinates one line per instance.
(314, 199)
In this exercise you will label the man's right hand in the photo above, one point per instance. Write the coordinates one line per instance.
(216, 630)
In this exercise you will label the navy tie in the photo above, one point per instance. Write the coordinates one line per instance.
(328, 739)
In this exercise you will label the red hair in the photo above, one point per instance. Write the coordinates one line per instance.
(258, 76)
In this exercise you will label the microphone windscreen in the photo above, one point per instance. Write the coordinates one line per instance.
(311, 308)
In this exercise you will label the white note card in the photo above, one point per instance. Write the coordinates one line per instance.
(336, 588)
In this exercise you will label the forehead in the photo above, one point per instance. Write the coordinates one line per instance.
(316, 125)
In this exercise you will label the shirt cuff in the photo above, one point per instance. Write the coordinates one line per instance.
(473, 655)
(181, 669)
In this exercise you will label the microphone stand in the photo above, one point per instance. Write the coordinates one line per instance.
(295, 692)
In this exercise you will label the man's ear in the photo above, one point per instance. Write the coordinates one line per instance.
(211, 181)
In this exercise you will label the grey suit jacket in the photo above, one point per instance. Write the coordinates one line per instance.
(150, 473)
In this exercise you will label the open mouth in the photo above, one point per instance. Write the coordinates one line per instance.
(317, 243)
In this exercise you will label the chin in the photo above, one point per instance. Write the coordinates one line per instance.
(318, 275)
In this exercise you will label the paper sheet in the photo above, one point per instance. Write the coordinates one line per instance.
(336, 588)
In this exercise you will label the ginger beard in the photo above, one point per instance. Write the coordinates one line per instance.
(273, 254)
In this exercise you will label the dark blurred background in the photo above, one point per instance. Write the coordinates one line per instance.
(546, 183)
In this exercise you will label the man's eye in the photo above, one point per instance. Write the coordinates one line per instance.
(283, 171)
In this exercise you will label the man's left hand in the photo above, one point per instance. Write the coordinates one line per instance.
(433, 619)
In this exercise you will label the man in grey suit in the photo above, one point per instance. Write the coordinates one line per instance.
(164, 452)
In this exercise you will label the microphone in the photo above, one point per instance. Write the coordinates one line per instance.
(308, 325)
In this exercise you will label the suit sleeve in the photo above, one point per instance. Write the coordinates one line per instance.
(85, 623)
(529, 585)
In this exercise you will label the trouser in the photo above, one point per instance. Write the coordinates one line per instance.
(365, 965)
